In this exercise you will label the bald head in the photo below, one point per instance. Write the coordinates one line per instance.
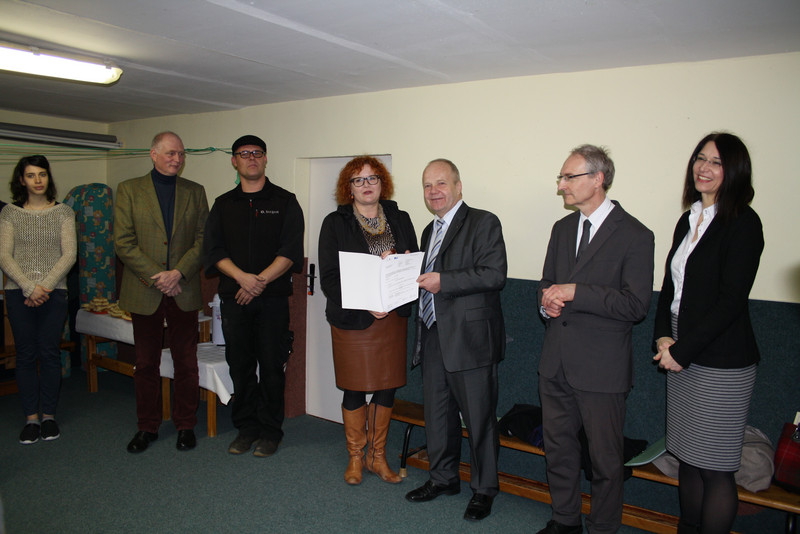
(441, 186)
(167, 153)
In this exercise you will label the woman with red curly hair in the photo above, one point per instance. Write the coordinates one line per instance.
(369, 347)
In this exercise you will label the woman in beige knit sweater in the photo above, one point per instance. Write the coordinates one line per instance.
(38, 247)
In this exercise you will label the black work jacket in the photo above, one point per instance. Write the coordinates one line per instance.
(252, 229)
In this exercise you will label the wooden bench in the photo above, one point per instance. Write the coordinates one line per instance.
(412, 415)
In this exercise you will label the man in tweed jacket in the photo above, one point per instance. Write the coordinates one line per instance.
(158, 235)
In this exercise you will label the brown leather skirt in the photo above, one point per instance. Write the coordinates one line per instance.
(372, 359)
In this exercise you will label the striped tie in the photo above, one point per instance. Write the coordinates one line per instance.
(428, 315)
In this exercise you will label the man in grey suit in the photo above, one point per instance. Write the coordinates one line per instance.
(597, 282)
(158, 235)
(460, 338)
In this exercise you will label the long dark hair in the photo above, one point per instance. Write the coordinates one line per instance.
(736, 190)
(19, 192)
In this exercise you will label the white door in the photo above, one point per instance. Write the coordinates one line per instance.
(323, 399)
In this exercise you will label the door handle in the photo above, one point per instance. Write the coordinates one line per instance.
(311, 270)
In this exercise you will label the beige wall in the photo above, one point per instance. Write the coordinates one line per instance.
(67, 174)
(509, 138)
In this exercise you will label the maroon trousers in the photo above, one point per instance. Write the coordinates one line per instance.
(148, 335)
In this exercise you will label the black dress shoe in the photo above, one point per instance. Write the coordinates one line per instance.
(554, 527)
(429, 491)
(479, 506)
(141, 440)
(186, 440)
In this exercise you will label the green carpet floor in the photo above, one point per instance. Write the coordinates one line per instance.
(86, 482)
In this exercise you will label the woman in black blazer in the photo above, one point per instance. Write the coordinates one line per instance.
(369, 347)
(703, 333)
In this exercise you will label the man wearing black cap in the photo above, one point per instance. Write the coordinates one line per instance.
(253, 239)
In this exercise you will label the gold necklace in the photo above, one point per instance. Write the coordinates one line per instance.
(374, 225)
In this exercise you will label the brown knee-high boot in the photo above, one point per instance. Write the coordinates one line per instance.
(378, 418)
(355, 430)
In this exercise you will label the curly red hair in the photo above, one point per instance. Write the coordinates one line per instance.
(352, 168)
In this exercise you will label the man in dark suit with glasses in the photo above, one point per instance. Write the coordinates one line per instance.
(597, 282)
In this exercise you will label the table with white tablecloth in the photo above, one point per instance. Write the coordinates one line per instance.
(215, 380)
(214, 377)
(102, 328)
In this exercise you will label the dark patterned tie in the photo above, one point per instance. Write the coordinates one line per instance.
(427, 298)
(587, 224)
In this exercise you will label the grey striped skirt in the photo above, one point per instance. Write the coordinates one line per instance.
(707, 411)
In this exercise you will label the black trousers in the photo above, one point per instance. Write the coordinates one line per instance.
(256, 349)
(473, 395)
(564, 410)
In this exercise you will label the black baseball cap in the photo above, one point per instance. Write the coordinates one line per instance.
(249, 140)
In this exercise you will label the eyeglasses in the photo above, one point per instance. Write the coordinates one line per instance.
(702, 159)
(570, 177)
(371, 180)
(245, 154)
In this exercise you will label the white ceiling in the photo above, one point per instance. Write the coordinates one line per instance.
(191, 56)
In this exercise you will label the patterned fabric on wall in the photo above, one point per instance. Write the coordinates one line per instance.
(93, 205)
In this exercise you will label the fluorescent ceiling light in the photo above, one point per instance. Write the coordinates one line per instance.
(52, 136)
(32, 60)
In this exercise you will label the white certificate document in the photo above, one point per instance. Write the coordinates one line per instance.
(375, 284)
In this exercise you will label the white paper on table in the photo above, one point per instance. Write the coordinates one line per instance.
(375, 284)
